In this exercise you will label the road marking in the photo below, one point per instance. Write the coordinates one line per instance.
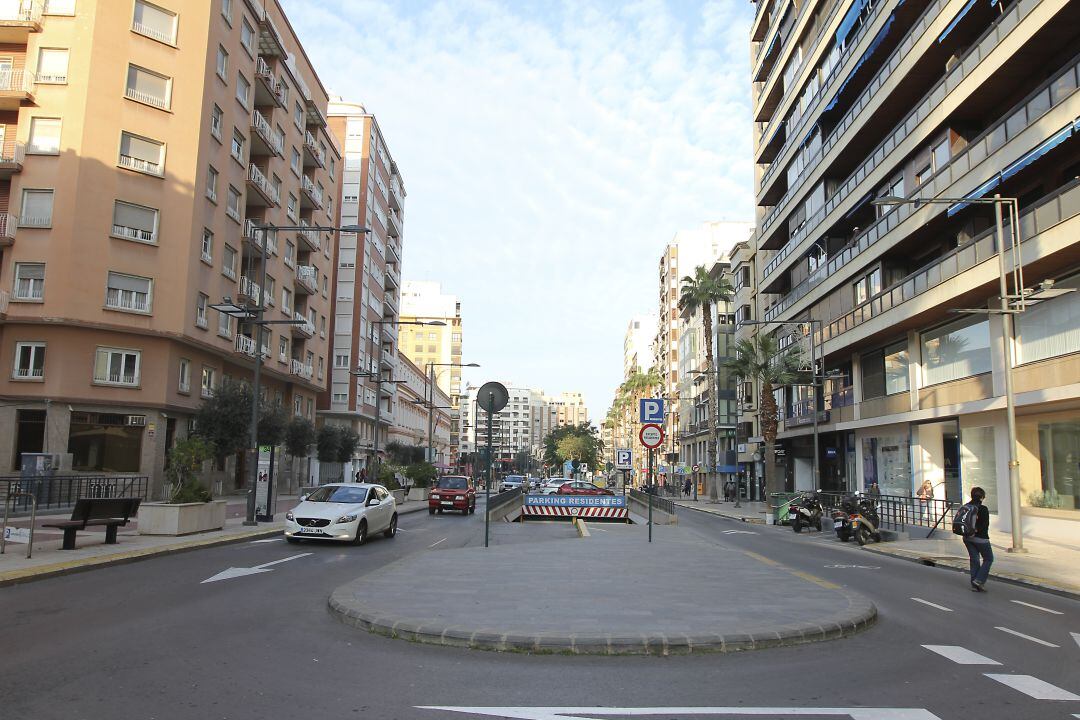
(586, 713)
(436, 543)
(1033, 687)
(1026, 637)
(268, 540)
(1037, 607)
(761, 558)
(738, 532)
(934, 605)
(235, 572)
(860, 567)
(1076, 637)
(961, 655)
(816, 580)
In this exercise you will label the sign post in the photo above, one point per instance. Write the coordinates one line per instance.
(652, 437)
(492, 397)
(624, 460)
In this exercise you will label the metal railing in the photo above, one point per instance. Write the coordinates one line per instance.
(659, 503)
(62, 491)
(899, 512)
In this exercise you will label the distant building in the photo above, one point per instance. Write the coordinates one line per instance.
(637, 344)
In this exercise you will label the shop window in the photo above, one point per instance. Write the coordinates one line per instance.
(106, 442)
(1050, 328)
(887, 462)
(957, 350)
(1059, 457)
(29, 434)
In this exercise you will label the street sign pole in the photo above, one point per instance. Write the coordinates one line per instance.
(487, 485)
(652, 489)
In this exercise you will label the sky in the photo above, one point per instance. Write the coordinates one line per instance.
(549, 151)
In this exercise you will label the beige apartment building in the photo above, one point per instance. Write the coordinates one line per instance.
(367, 281)
(421, 413)
(928, 100)
(141, 140)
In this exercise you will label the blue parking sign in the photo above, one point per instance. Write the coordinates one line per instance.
(652, 411)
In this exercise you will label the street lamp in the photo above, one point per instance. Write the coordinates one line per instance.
(431, 399)
(1009, 305)
(252, 313)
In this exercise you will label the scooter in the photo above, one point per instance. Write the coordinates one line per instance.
(842, 517)
(805, 511)
(864, 522)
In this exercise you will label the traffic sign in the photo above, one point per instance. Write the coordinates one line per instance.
(696, 468)
(651, 436)
(651, 410)
(624, 459)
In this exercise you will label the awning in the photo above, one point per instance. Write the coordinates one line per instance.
(956, 20)
(858, 206)
(849, 20)
(779, 128)
(874, 44)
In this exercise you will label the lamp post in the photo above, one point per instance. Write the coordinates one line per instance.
(1008, 305)
(431, 398)
(252, 313)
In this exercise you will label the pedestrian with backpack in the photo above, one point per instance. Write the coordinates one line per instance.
(972, 522)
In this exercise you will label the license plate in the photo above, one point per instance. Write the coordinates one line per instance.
(838, 524)
(310, 531)
(447, 502)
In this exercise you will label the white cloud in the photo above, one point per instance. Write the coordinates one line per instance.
(548, 151)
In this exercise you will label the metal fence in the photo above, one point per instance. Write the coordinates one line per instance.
(659, 503)
(59, 492)
(899, 512)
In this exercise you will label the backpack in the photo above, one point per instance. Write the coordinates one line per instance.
(964, 520)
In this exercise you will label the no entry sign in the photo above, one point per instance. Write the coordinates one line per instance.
(651, 436)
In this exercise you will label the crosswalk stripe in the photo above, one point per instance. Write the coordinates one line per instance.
(933, 605)
(961, 655)
(1033, 687)
(1026, 637)
(1038, 607)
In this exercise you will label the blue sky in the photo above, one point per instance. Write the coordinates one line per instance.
(549, 150)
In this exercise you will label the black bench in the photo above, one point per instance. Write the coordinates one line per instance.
(89, 512)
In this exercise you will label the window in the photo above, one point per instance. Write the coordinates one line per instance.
(29, 361)
(141, 154)
(290, 253)
(184, 385)
(224, 325)
(59, 7)
(211, 183)
(232, 208)
(226, 10)
(341, 361)
(207, 248)
(322, 325)
(291, 208)
(222, 63)
(957, 350)
(283, 349)
(149, 87)
(243, 90)
(1050, 328)
(341, 397)
(108, 442)
(154, 22)
(200, 310)
(44, 136)
(333, 165)
(228, 261)
(238, 143)
(295, 161)
(940, 154)
(116, 367)
(286, 300)
(868, 286)
(215, 122)
(247, 36)
(298, 115)
(128, 292)
(270, 289)
(207, 381)
(322, 370)
(885, 372)
(52, 67)
(134, 222)
(37, 207)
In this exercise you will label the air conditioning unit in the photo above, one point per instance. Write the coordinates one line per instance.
(136, 420)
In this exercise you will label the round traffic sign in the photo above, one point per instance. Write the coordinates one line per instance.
(651, 436)
(696, 468)
(492, 397)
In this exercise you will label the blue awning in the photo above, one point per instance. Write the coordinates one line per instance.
(849, 20)
(956, 20)
(874, 44)
(857, 206)
(779, 128)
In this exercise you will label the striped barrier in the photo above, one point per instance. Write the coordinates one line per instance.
(612, 513)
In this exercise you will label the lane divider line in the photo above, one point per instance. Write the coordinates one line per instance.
(1076, 637)
(797, 573)
(1033, 687)
(437, 542)
(933, 605)
(1037, 607)
(1026, 637)
(961, 655)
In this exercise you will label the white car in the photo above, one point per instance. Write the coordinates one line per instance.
(552, 485)
(343, 511)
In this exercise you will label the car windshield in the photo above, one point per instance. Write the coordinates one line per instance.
(453, 483)
(338, 494)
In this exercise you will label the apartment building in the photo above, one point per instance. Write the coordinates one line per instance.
(419, 412)
(929, 100)
(367, 280)
(511, 427)
(141, 143)
(637, 344)
(439, 345)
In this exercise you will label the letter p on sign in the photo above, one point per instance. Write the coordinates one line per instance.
(652, 410)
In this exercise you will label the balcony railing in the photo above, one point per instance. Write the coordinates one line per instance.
(13, 154)
(245, 345)
(307, 277)
(145, 98)
(265, 75)
(249, 288)
(256, 178)
(309, 238)
(140, 165)
(312, 149)
(5, 298)
(311, 190)
(25, 11)
(16, 81)
(133, 233)
(302, 370)
(273, 139)
(8, 225)
(306, 327)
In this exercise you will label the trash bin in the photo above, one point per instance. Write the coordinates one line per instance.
(781, 502)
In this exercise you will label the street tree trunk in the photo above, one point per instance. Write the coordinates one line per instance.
(714, 494)
(769, 421)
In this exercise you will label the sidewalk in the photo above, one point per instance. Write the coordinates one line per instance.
(749, 512)
(1048, 566)
(91, 551)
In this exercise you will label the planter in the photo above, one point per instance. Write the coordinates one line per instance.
(181, 518)
(399, 496)
(416, 493)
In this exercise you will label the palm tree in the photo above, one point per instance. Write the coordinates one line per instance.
(761, 360)
(700, 292)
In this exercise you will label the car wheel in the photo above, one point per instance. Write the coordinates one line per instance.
(472, 509)
(431, 511)
(292, 540)
(392, 530)
(361, 533)
(439, 510)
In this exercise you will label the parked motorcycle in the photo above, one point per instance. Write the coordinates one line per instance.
(865, 521)
(805, 511)
(841, 517)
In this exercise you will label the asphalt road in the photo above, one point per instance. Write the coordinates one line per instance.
(151, 640)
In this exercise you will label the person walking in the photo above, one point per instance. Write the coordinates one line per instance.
(925, 494)
(686, 488)
(977, 539)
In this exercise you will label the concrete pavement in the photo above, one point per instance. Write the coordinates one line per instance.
(755, 513)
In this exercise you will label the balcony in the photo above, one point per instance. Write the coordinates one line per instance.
(245, 345)
(304, 330)
(391, 281)
(313, 154)
(8, 225)
(5, 297)
(265, 140)
(390, 305)
(315, 117)
(395, 252)
(19, 18)
(307, 280)
(249, 291)
(16, 87)
(301, 370)
(396, 193)
(270, 43)
(253, 239)
(309, 239)
(311, 195)
(394, 223)
(265, 195)
(267, 89)
(11, 159)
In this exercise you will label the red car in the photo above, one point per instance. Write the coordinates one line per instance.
(580, 487)
(452, 492)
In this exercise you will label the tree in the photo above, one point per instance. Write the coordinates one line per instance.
(586, 450)
(701, 291)
(402, 454)
(273, 424)
(224, 419)
(421, 474)
(347, 442)
(328, 443)
(185, 461)
(762, 361)
(299, 436)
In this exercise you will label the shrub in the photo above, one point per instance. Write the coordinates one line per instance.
(421, 474)
(185, 461)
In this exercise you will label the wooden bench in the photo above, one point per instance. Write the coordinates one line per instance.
(90, 512)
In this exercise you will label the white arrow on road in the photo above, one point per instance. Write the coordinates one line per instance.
(738, 532)
(235, 572)
(584, 713)
(1076, 637)
(276, 539)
